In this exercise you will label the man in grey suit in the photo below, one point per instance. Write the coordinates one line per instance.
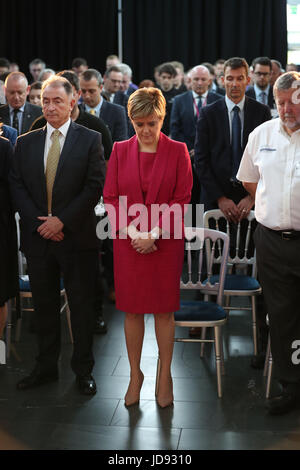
(18, 113)
(112, 114)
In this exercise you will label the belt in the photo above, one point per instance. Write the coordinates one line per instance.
(285, 234)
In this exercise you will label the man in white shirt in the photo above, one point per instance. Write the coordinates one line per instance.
(270, 171)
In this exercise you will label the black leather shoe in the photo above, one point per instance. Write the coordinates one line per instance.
(258, 362)
(101, 327)
(86, 384)
(36, 379)
(282, 404)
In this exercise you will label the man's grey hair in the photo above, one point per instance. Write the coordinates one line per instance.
(45, 71)
(89, 74)
(125, 69)
(57, 81)
(287, 81)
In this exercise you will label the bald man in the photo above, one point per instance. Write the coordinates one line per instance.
(185, 109)
(18, 113)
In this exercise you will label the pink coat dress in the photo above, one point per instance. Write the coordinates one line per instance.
(148, 283)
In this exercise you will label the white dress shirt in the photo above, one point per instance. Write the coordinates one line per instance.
(203, 99)
(63, 134)
(272, 159)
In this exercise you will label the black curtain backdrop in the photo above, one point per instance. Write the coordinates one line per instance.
(154, 31)
(195, 31)
(57, 31)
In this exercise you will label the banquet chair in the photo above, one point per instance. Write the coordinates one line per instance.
(25, 292)
(268, 367)
(202, 313)
(8, 329)
(239, 283)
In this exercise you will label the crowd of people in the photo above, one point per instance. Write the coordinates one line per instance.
(176, 138)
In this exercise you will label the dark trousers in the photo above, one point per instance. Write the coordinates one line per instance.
(279, 274)
(79, 271)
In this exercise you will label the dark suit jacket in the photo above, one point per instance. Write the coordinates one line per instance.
(130, 90)
(115, 118)
(251, 93)
(213, 153)
(31, 113)
(121, 99)
(183, 119)
(77, 188)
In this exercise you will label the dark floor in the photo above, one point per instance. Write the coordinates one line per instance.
(55, 416)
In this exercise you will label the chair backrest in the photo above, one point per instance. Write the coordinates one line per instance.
(241, 236)
(21, 258)
(197, 240)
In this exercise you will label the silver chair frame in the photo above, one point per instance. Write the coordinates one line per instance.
(207, 289)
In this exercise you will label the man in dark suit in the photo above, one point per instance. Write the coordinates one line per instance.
(221, 137)
(262, 90)
(56, 180)
(112, 92)
(111, 89)
(186, 107)
(213, 147)
(18, 113)
(112, 114)
(184, 115)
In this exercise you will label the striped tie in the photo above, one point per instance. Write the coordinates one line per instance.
(51, 166)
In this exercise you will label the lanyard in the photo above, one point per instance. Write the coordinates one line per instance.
(196, 107)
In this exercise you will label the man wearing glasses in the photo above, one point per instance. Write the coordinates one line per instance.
(262, 90)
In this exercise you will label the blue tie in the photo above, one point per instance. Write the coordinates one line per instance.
(199, 102)
(263, 97)
(236, 141)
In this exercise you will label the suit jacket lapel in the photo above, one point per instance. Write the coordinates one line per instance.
(226, 127)
(71, 138)
(247, 122)
(159, 169)
(190, 105)
(133, 149)
(39, 156)
(6, 115)
(26, 119)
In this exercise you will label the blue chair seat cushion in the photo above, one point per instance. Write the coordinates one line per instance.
(24, 284)
(237, 282)
(199, 311)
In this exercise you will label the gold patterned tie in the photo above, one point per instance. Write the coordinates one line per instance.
(51, 166)
(93, 112)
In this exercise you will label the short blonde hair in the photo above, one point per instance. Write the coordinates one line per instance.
(146, 101)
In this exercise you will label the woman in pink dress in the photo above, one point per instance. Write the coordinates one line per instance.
(148, 182)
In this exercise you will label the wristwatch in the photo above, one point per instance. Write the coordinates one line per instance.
(154, 233)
